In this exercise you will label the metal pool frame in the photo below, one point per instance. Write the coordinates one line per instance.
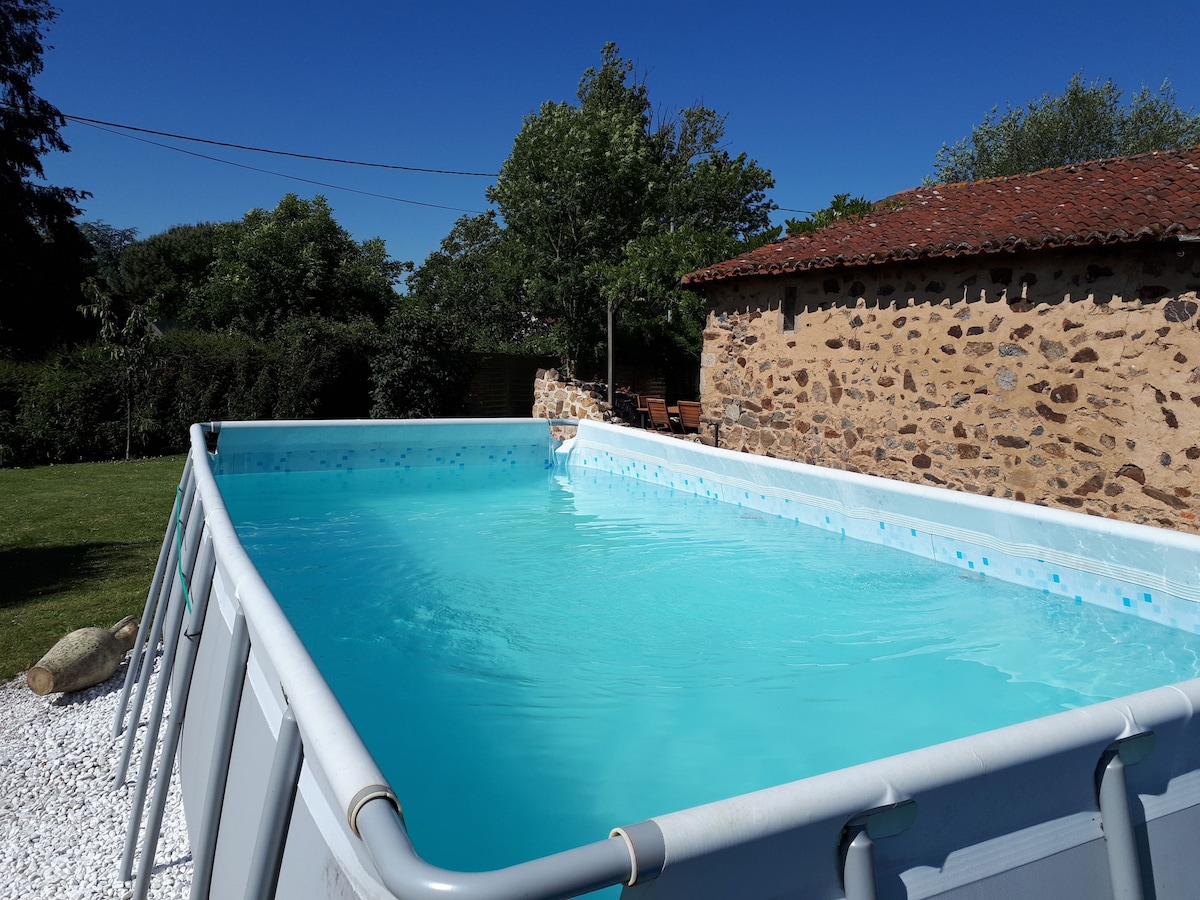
(282, 798)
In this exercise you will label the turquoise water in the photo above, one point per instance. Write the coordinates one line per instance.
(533, 660)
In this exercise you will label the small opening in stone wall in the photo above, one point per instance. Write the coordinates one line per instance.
(789, 310)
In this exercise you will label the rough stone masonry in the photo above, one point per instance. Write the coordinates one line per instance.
(555, 398)
(1067, 378)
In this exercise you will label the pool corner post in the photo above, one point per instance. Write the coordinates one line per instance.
(1124, 861)
(857, 849)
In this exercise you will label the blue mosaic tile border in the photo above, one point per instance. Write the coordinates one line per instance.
(1072, 576)
(384, 457)
(258, 447)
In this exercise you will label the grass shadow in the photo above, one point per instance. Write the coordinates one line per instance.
(31, 573)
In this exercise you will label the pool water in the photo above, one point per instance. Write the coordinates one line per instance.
(534, 658)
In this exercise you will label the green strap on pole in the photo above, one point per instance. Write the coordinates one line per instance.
(187, 595)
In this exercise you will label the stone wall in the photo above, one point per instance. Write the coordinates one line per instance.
(1068, 378)
(555, 398)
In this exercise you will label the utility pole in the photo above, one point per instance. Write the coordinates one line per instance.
(610, 354)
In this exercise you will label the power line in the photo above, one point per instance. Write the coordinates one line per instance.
(98, 123)
(325, 184)
(345, 162)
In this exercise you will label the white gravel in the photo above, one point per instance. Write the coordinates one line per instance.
(62, 824)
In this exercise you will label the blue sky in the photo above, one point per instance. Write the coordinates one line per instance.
(831, 97)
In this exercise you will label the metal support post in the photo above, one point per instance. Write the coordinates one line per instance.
(205, 848)
(857, 850)
(175, 611)
(171, 588)
(858, 876)
(165, 555)
(277, 811)
(201, 591)
(1124, 863)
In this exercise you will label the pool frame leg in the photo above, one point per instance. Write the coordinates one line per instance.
(136, 658)
(858, 877)
(277, 810)
(205, 848)
(201, 591)
(1112, 794)
(857, 849)
(173, 594)
(175, 612)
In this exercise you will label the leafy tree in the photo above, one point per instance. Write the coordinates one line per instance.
(108, 246)
(657, 313)
(293, 262)
(652, 313)
(125, 339)
(167, 271)
(705, 187)
(324, 369)
(841, 207)
(1085, 122)
(588, 183)
(705, 206)
(43, 250)
(69, 410)
(477, 281)
(572, 193)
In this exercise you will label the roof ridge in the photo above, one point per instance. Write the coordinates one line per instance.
(1112, 200)
(1103, 160)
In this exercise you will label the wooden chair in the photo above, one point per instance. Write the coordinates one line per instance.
(660, 419)
(643, 413)
(689, 415)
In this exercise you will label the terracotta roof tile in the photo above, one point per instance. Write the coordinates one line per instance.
(1114, 201)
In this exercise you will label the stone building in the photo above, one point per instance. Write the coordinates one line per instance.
(1033, 337)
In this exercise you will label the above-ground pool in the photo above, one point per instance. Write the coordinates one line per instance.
(845, 686)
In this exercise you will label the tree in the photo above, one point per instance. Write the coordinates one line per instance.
(125, 339)
(108, 246)
(705, 206)
(643, 288)
(292, 262)
(588, 184)
(572, 193)
(705, 187)
(1086, 122)
(43, 250)
(842, 207)
(477, 281)
(167, 271)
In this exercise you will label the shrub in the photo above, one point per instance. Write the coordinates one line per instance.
(422, 368)
(70, 410)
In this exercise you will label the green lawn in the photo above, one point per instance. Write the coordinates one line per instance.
(78, 546)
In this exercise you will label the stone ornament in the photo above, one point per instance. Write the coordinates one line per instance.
(83, 658)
